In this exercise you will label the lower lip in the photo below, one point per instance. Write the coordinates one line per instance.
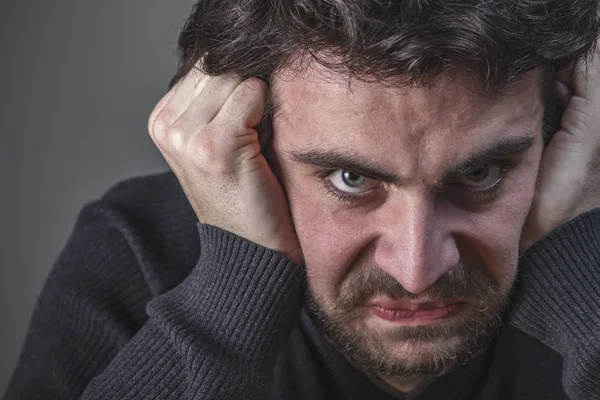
(417, 317)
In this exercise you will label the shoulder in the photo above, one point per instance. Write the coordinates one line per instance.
(149, 197)
(152, 215)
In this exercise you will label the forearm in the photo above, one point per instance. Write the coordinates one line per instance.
(217, 334)
(558, 300)
(91, 332)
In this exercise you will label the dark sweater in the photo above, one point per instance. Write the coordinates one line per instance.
(144, 303)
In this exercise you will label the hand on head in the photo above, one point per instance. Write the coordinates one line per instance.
(568, 183)
(205, 129)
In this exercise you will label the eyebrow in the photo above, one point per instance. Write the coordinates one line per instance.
(351, 161)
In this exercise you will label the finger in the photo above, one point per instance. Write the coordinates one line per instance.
(160, 106)
(188, 89)
(564, 93)
(204, 107)
(564, 85)
(245, 107)
(231, 130)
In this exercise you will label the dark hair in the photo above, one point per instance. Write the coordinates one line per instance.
(399, 42)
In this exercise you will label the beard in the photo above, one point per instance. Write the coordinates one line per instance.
(410, 351)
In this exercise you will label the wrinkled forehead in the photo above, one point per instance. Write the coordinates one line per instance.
(423, 126)
(314, 87)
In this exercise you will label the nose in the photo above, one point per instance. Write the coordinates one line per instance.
(415, 246)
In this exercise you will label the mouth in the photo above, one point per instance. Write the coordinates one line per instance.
(416, 313)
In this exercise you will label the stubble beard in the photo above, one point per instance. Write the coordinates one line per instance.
(410, 351)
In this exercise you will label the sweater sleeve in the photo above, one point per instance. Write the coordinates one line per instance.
(558, 300)
(98, 332)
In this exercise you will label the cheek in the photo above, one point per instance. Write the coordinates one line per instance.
(333, 242)
(330, 243)
(491, 238)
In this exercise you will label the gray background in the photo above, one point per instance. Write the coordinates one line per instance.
(78, 80)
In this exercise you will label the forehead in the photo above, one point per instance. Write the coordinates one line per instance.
(413, 129)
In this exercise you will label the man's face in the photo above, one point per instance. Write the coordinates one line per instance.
(408, 204)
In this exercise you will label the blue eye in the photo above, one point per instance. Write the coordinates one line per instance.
(351, 179)
(482, 178)
(350, 182)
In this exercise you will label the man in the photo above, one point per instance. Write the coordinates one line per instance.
(446, 226)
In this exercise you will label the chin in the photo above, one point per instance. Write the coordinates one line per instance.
(411, 351)
(415, 357)
(429, 357)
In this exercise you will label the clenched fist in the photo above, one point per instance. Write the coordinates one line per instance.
(205, 129)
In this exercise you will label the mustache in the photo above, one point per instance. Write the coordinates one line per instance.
(340, 317)
(462, 281)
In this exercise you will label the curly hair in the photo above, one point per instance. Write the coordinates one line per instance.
(397, 42)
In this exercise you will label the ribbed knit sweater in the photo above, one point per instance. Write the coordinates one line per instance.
(146, 303)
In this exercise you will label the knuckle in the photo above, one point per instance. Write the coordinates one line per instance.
(156, 111)
(160, 126)
(169, 137)
(204, 147)
(208, 150)
(176, 137)
(151, 121)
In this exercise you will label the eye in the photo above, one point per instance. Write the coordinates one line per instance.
(350, 182)
(482, 178)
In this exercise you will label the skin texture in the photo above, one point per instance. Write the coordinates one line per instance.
(422, 235)
(409, 230)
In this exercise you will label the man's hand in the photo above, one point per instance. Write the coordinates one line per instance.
(204, 127)
(569, 178)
